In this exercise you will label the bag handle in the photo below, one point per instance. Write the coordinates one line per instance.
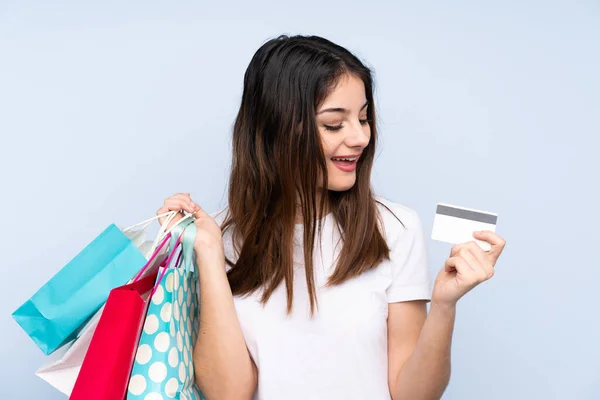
(167, 264)
(151, 259)
(149, 221)
(170, 215)
(186, 255)
(163, 231)
(188, 234)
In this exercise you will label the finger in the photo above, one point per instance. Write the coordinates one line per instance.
(186, 197)
(450, 264)
(456, 248)
(485, 261)
(179, 204)
(200, 213)
(173, 204)
(471, 260)
(498, 243)
(162, 220)
(479, 253)
(457, 264)
(482, 267)
(463, 270)
(162, 210)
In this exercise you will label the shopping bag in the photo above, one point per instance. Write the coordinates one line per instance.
(63, 368)
(109, 356)
(107, 364)
(163, 366)
(54, 315)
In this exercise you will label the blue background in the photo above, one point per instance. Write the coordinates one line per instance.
(107, 108)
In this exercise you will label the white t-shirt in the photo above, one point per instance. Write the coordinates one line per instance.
(341, 353)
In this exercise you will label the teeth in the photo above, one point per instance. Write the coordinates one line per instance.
(344, 159)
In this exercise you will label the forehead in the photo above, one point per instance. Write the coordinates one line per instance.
(349, 93)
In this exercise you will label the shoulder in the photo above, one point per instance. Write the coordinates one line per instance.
(219, 215)
(408, 266)
(228, 246)
(399, 221)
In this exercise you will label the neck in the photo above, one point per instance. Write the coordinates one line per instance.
(298, 218)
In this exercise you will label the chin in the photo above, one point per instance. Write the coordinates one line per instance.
(341, 184)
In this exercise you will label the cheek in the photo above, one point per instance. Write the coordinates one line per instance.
(329, 146)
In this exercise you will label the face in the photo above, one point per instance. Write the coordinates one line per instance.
(345, 131)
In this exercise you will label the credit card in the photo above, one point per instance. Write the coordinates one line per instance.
(453, 224)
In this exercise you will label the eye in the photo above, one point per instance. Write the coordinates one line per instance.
(338, 127)
(333, 128)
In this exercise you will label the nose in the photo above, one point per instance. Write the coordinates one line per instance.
(358, 136)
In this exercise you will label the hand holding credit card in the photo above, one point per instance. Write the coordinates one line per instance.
(455, 225)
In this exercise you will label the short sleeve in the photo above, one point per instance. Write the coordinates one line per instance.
(411, 276)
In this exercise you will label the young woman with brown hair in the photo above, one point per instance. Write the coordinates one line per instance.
(312, 287)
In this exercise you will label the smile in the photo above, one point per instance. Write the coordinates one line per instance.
(346, 163)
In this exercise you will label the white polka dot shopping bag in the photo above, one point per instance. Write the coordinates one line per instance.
(163, 367)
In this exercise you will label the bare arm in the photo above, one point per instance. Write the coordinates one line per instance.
(424, 373)
(222, 364)
(419, 346)
(223, 367)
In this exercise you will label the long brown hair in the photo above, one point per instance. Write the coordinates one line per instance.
(278, 162)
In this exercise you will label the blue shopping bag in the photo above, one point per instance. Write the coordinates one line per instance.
(163, 366)
(54, 314)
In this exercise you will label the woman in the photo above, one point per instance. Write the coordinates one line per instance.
(310, 286)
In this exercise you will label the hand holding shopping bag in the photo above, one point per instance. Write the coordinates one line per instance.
(168, 222)
(163, 365)
(63, 368)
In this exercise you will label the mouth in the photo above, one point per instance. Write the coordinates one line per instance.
(346, 163)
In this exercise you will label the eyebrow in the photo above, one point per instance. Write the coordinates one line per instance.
(340, 109)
